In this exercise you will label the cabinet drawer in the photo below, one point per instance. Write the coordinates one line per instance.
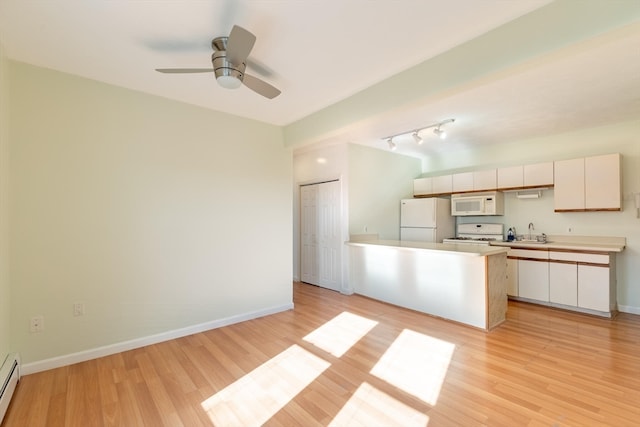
(528, 253)
(580, 257)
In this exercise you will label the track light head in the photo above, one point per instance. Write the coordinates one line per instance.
(392, 145)
(441, 134)
(417, 138)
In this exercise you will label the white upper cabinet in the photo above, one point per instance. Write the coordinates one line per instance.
(584, 184)
(602, 182)
(462, 182)
(511, 177)
(485, 180)
(422, 186)
(432, 185)
(474, 181)
(527, 176)
(538, 174)
(442, 184)
(592, 183)
(568, 188)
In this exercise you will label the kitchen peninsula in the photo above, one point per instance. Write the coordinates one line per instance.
(463, 283)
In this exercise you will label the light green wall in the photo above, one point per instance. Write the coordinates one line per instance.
(4, 208)
(156, 214)
(378, 180)
(622, 138)
(317, 165)
(373, 182)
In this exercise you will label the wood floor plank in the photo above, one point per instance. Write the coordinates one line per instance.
(542, 367)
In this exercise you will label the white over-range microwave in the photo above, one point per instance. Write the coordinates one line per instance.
(477, 204)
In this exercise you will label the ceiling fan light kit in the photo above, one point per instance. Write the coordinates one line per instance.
(415, 134)
(229, 63)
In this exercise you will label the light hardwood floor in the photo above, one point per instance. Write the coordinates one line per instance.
(349, 360)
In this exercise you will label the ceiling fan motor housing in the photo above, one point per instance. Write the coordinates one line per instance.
(223, 67)
(227, 74)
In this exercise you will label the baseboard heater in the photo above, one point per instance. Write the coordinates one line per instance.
(9, 377)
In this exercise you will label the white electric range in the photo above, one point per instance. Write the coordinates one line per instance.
(477, 234)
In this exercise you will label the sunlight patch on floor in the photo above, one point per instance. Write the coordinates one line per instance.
(371, 407)
(256, 397)
(339, 334)
(417, 364)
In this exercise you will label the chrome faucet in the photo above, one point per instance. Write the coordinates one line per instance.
(530, 230)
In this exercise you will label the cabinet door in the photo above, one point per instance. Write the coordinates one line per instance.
(602, 182)
(539, 174)
(568, 177)
(593, 287)
(422, 186)
(563, 283)
(533, 280)
(442, 184)
(485, 180)
(511, 177)
(512, 277)
(462, 182)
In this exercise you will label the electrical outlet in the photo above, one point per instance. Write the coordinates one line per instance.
(78, 309)
(37, 324)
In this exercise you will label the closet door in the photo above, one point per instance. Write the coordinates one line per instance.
(309, 235)
(321, 243)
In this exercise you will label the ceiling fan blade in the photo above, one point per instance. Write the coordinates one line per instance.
(184, 70)
(239, 45)
(260, 86)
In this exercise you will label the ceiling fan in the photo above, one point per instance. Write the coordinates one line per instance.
(229, 62)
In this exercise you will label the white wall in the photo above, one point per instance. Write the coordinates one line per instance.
(155, 214)
(4, 208)
(623, 138)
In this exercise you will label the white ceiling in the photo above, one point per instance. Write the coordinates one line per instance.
(319, 52)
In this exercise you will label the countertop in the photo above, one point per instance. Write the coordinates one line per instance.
(471, 250)
(577, 243)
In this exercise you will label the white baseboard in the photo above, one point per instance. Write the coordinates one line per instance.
(94, 353)
(628, 309)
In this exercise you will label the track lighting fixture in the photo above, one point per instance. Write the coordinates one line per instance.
(415, 134)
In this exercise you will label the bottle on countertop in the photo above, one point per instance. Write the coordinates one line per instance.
(511, 235)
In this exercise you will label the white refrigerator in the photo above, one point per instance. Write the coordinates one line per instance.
(426, 220)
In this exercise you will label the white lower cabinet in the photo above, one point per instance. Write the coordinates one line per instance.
(512, 277)
(594, 287)
(533, 279)
(582, 281)
(529, 270)
(563, 283)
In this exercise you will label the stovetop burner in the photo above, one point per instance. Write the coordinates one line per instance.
(481, 239)
(477, 234)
